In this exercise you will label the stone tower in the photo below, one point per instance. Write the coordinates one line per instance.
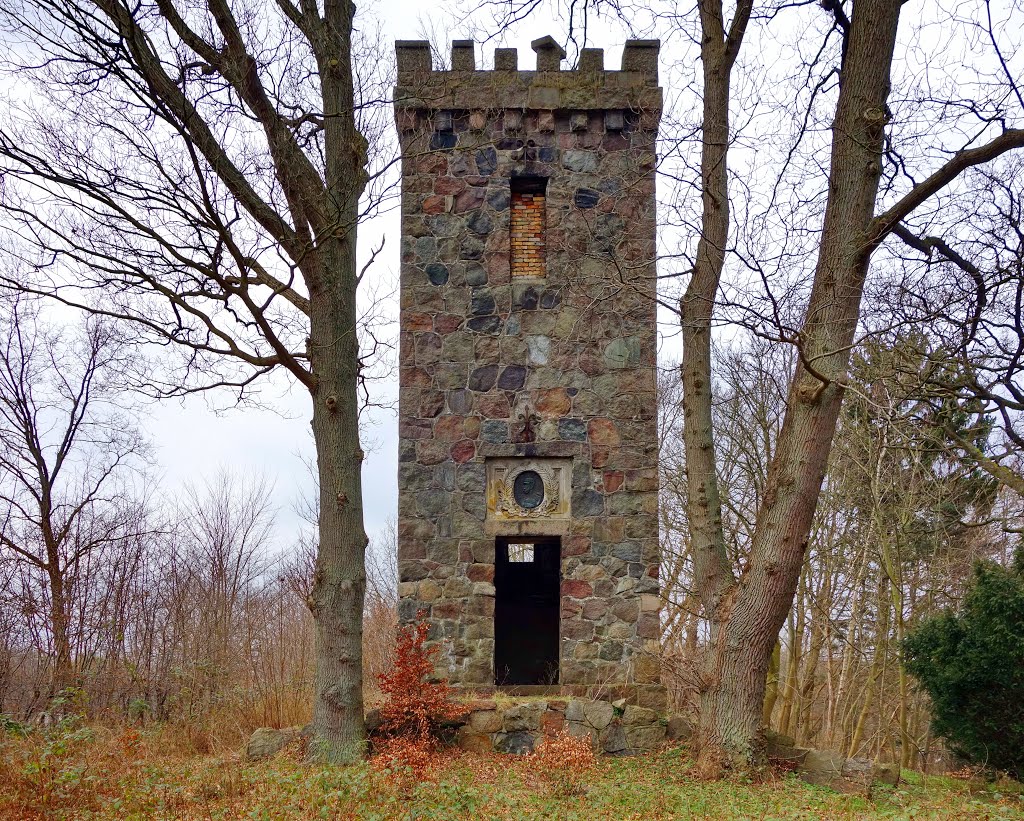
(528, 475)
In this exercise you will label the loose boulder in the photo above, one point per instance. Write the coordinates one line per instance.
(266, 742)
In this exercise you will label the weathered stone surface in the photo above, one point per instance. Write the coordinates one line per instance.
(823, 761)
(485, 721)
(473, 742)
(517, 743)
(580, 161)
(613, 740)
(633, 715)
(524, 716)
(645, 738)
(539, 348)
(552, 722)
(679, 728)
(266, 742)
(883, 773)
(512, 378)
(598, 714)
(623, 353)
(483, 379)
(554, 402)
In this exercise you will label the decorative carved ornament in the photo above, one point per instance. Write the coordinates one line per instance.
(528, 489)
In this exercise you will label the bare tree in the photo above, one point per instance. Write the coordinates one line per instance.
(67, 452)
(194, 172)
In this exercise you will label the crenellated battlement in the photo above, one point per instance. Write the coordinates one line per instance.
(590, 86)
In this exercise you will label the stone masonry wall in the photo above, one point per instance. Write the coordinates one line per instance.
(561, 365)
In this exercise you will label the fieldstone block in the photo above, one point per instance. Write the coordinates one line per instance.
(823, 762)
(482, 302)
(471, 248)
(475, 275)
(525, 716)
(580, 161)
(437, 273)
(645, 738)
(487, 161)
(473, 742)
(499, 198)
(679, 728)
(483, 379)
(485, 324)
(485, 721)
(266, 742)
(884, 773)
(494, 431)
(539, 348)
(552, 721)
(597, 714)
(623, 352)
(634, 716)
(573, 430)
(587, 502)
(512, 378)
(613, 740)
(847, 775)
(516, 743)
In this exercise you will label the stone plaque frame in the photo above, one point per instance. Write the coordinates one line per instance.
(506, 516)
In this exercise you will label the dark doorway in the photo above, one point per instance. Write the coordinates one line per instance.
(527, 578)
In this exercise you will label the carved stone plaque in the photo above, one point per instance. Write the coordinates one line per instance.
(528, 489)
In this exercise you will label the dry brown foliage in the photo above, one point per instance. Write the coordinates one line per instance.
(565, 761)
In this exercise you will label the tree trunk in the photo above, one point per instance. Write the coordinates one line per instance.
(339, 583)
(796, 643)
(744, 632)
(772, 689)
(854, 735)
(62, 677)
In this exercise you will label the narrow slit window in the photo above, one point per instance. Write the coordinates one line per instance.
(528, 226)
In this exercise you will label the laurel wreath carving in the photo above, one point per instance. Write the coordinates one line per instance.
(506, 500)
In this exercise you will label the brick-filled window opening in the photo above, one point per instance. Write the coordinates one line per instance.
(528, 225)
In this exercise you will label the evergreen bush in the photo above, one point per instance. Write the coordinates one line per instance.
(971, 663)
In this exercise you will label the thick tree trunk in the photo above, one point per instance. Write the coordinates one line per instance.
(724, 677)
(339, 585)
(340, 579)
(62, 677)
(745, 632)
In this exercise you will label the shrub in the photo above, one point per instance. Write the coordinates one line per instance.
(50, 767)
(565, 761)
(972, 665)
(417, 704)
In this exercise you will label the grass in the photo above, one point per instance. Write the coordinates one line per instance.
(76, 772)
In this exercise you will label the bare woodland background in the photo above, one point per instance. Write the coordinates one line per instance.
(132, 608)
(190, 614)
